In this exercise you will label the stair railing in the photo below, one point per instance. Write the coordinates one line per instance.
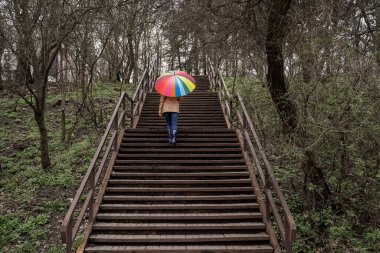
(218, 84)
(113, 134)
(237, 112)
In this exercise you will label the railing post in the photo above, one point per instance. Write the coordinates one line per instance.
(288, 246)
(91, 213)
(290, 235)
(115, 126)
(132, 112)
(146, 82)
(69, 236)
(124, 111)
(267, 186)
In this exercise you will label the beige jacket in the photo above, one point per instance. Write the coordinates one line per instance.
(169, 104)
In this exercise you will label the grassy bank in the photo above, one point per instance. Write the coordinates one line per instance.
(33, 201)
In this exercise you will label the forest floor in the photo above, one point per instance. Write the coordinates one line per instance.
(33, 202)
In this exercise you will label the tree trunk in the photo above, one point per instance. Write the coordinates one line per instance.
(316, 189)
(179, 58)
(82, 74)
(196, 56)
(378, 32)
(44, 139)
(1, 68)
(276, 77)
(63, 81)
(131, 59)
(204, 62)
(319, 192)
(135, 61)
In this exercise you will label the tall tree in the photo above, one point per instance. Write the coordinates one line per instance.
(276, 34)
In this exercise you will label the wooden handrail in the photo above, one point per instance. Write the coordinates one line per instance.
(89, 184)
(269, 184)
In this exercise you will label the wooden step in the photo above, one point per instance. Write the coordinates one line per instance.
(172, 168)
(194, 94)
(219, 237)
(179, 156)
(193, 109)
(182, 134)
(182, 113)
(220, 225)
(179, 216)
(180, 138)
(178, 182)
(182, 175)
(183, 248)
(206, 101)
(183, 123)
(184, 130)
(181, 144)
(203, 161)
(172, 150)
(176, 189)
(178, 198)
(108, 207)
(195, 105)
(184, 119)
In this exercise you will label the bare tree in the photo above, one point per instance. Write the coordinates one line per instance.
(34, 32)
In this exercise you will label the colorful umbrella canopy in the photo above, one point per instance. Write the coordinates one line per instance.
(175, 84)
(180, 73)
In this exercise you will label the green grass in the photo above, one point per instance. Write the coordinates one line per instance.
(17, 229)
(32, 201)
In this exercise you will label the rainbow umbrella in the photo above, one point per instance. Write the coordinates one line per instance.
(175, 84)
(180, 73)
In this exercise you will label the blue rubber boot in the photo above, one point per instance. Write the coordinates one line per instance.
(174, 137)
(170, 135)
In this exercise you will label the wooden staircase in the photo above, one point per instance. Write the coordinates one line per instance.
(195, 197)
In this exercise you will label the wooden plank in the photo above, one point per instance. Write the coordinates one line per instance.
(178, 182)
(130, 226)
(180, 145)
(235, 161)
(185, 130)
(168, 189)
(188, 174)
(188, 249)
(187, 167)
(178, 216)
(178, 206)
(178, 198)
(151, 238)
